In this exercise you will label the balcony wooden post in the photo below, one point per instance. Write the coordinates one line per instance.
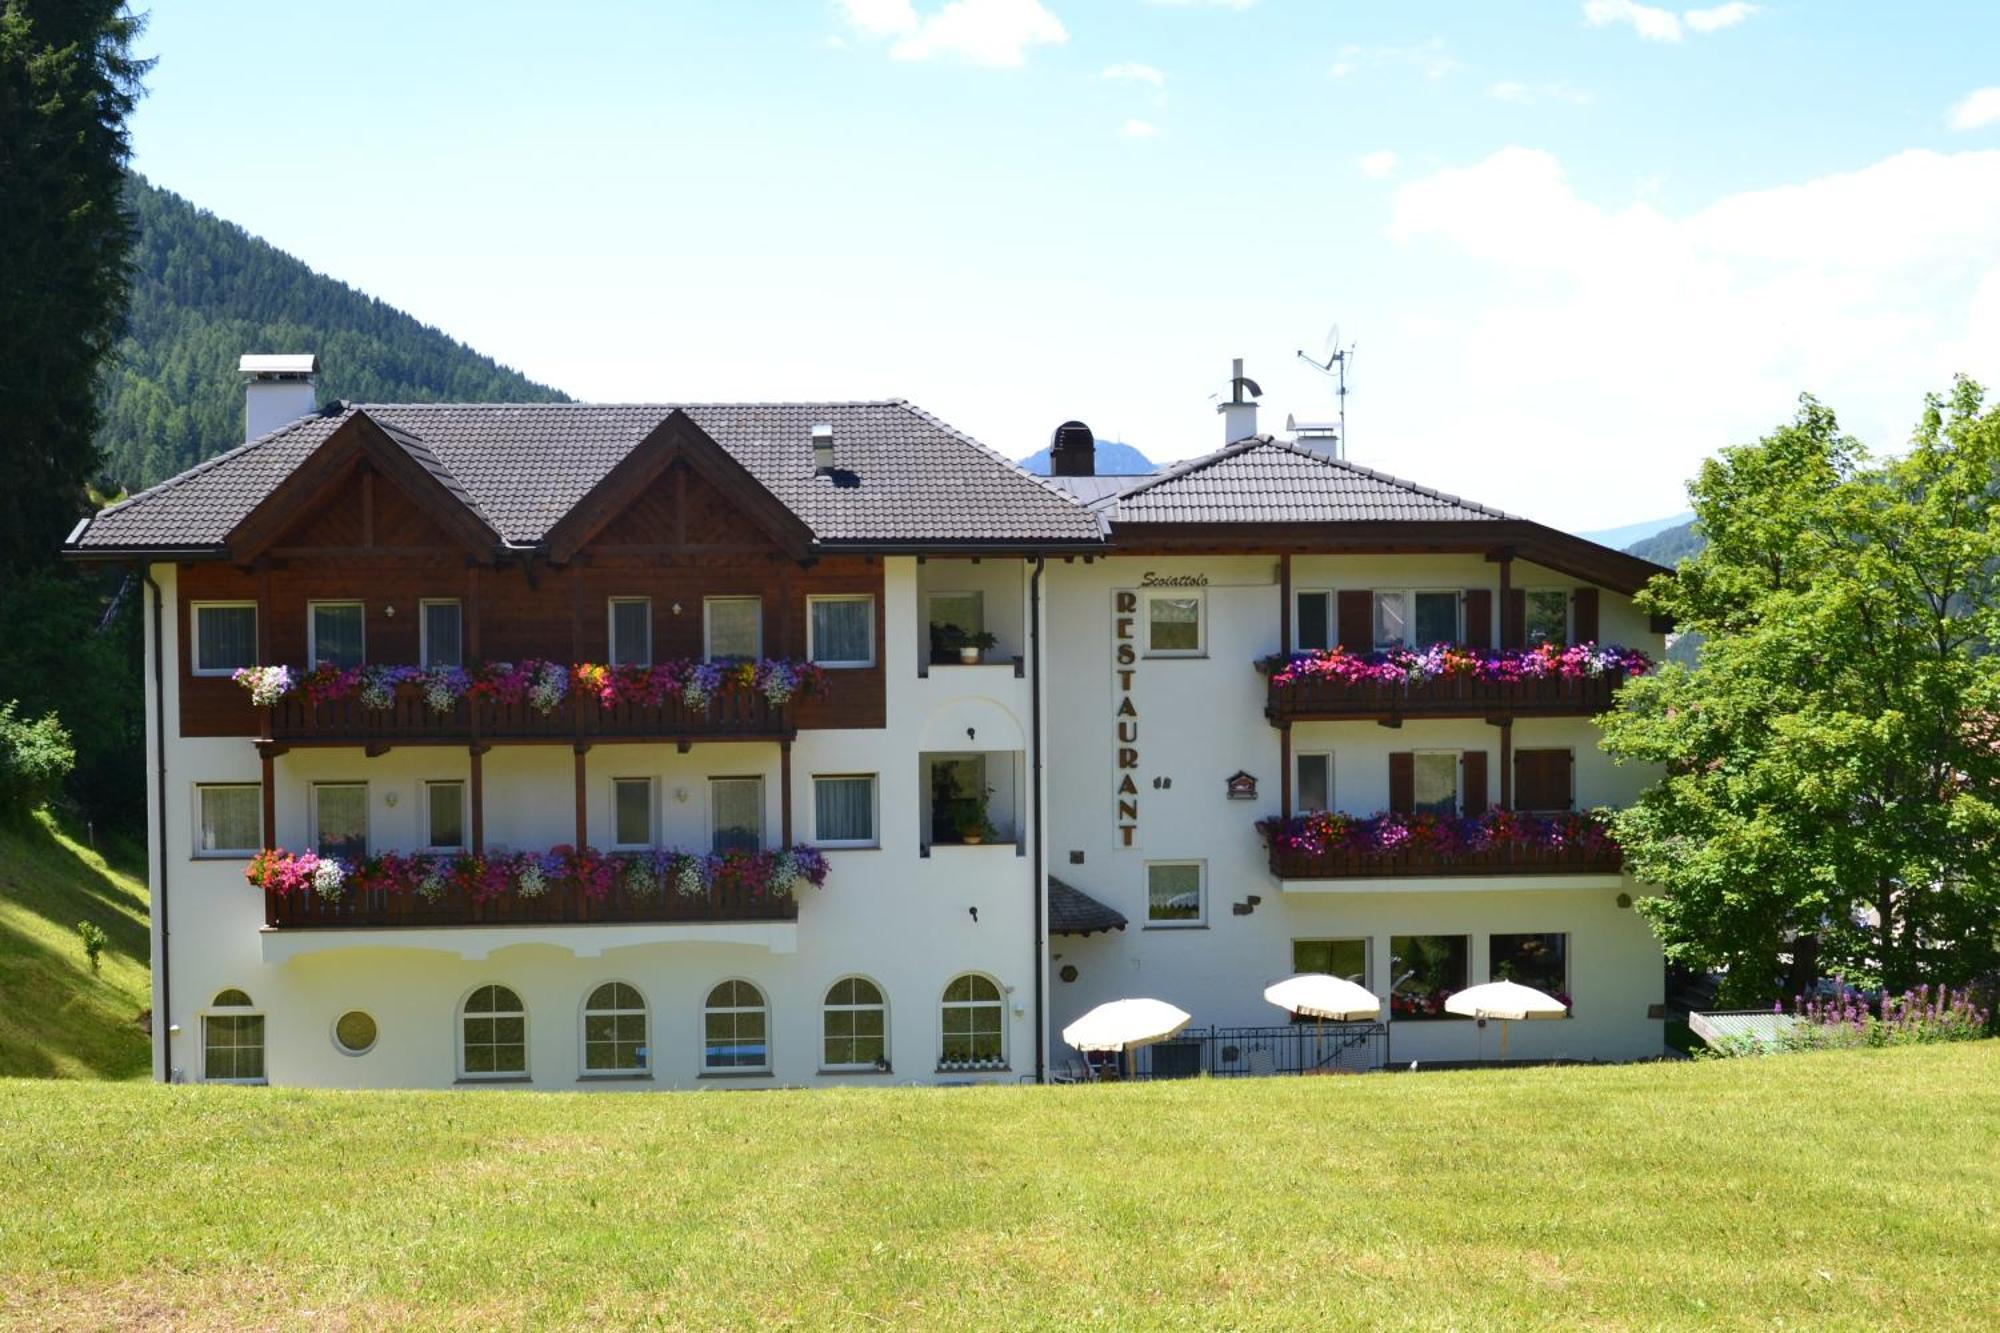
(478, 794)
(268, 767)
(1285, 770)
(785, 792)
(582, 820)
(1507, 765)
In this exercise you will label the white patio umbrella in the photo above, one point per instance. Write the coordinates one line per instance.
(1319, 996)
(1508, 1001)
(1125, 1025)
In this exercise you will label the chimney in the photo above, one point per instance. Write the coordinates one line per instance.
(279, 391)
(1072, 451)
(822, 437)
(1239, 414)
(1322, 437)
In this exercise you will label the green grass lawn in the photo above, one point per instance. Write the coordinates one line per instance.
(1846, 1189)
(56, 1019)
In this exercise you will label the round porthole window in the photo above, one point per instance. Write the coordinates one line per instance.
(354, 1033)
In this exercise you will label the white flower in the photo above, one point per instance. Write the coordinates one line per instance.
(529, 881)
(327, 877)
(687, 879)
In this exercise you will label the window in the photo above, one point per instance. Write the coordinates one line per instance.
(354, 1033)
(1436, 782)
(1313, 791)
(631, 631)
(334, 633)
(955, 617)
(975, 1033)
(443, 625)
(229, 818)
(840, 631)
(733, 627)
(1174, 893)
(736, 814)
(856, 1026)
(1540, 961)
(734, 1026)
(1173, 623)
(493, 1034)
(632, 812)
(340, 819)
(844, 811)
(1415, 619)
(232, 1041)
(1314, 622)
(444, 816)
(1423, 971)
(1547, 615)
(1542, 779)
(614, 1030)
(960, 798)
(225, 637)
(1346, 959)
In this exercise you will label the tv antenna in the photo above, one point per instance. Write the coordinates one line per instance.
(1335, 366)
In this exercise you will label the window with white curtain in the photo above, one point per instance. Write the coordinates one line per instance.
(1314, 788)
(443, 624)
(736, 814)
(230, 818)
(225, 637)
(840, 631)
(444, 816)
(844, 811)
(1436, 782)
(631, 631)
(733, 627)
(335, 634)
(632, 813)
(340, 819)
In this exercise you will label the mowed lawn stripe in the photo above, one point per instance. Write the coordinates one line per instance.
(1849, 1189)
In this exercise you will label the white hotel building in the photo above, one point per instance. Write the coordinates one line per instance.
(1072, 818)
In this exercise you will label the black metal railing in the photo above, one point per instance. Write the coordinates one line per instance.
(1246, 1052)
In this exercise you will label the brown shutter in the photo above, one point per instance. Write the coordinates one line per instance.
(1357, 620)
(1584, 614)
(1479, 617)
(1514, 619)
(1542, 779)
(1472, 793)
(1403, 782)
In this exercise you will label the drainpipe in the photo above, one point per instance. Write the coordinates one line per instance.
(1035, 851)
(162, 1008)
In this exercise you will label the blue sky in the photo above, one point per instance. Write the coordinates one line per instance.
(1579, 244)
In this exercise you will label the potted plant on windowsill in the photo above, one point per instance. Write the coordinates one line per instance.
(974, 826)
(972, 645)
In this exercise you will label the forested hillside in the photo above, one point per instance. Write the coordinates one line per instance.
(204, 291)
(1669, 547)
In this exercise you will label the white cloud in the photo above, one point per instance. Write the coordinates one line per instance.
(1135, 73)
(1618, 331)
(1212, 4)
(1139, 129)
(1977, 111)
(1657, 24)
(1378, 165)
(1528, 94)
(994, 33)
(1430, 58)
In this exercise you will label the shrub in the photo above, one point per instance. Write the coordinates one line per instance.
(34, 759)
(94, 941)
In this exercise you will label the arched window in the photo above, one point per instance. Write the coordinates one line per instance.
(232, 1040)
(735, 1028)
(855, 1026)
(975, 1029)
(614, 1031)
(493, 1034)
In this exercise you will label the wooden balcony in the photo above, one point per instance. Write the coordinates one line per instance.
(1444, 696)
(561, 906)
(736, 714)
(1514, 859)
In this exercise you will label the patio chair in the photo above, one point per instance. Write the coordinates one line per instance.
(1071, 1069)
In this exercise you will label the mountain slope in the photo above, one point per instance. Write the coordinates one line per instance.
(1623, 537)
(1670, 546)
(204, 291)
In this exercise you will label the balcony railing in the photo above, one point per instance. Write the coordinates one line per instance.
(1320, 700)
(731, 714)
(1345, 862)
(563, 905)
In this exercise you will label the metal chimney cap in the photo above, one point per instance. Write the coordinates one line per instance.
(285, 365)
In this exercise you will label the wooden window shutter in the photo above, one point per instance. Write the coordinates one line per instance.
(1479, 617)
(1403, 782)
(1542, 779)
(1514, 618)
(1472, 782)
(1584, 614)
(1357, 620)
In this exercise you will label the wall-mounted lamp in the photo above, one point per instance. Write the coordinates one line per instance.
(390, 798)
(389, 611)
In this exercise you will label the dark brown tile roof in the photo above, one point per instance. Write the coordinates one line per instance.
(901, 475)
(1074, 912)
(1264, 480)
